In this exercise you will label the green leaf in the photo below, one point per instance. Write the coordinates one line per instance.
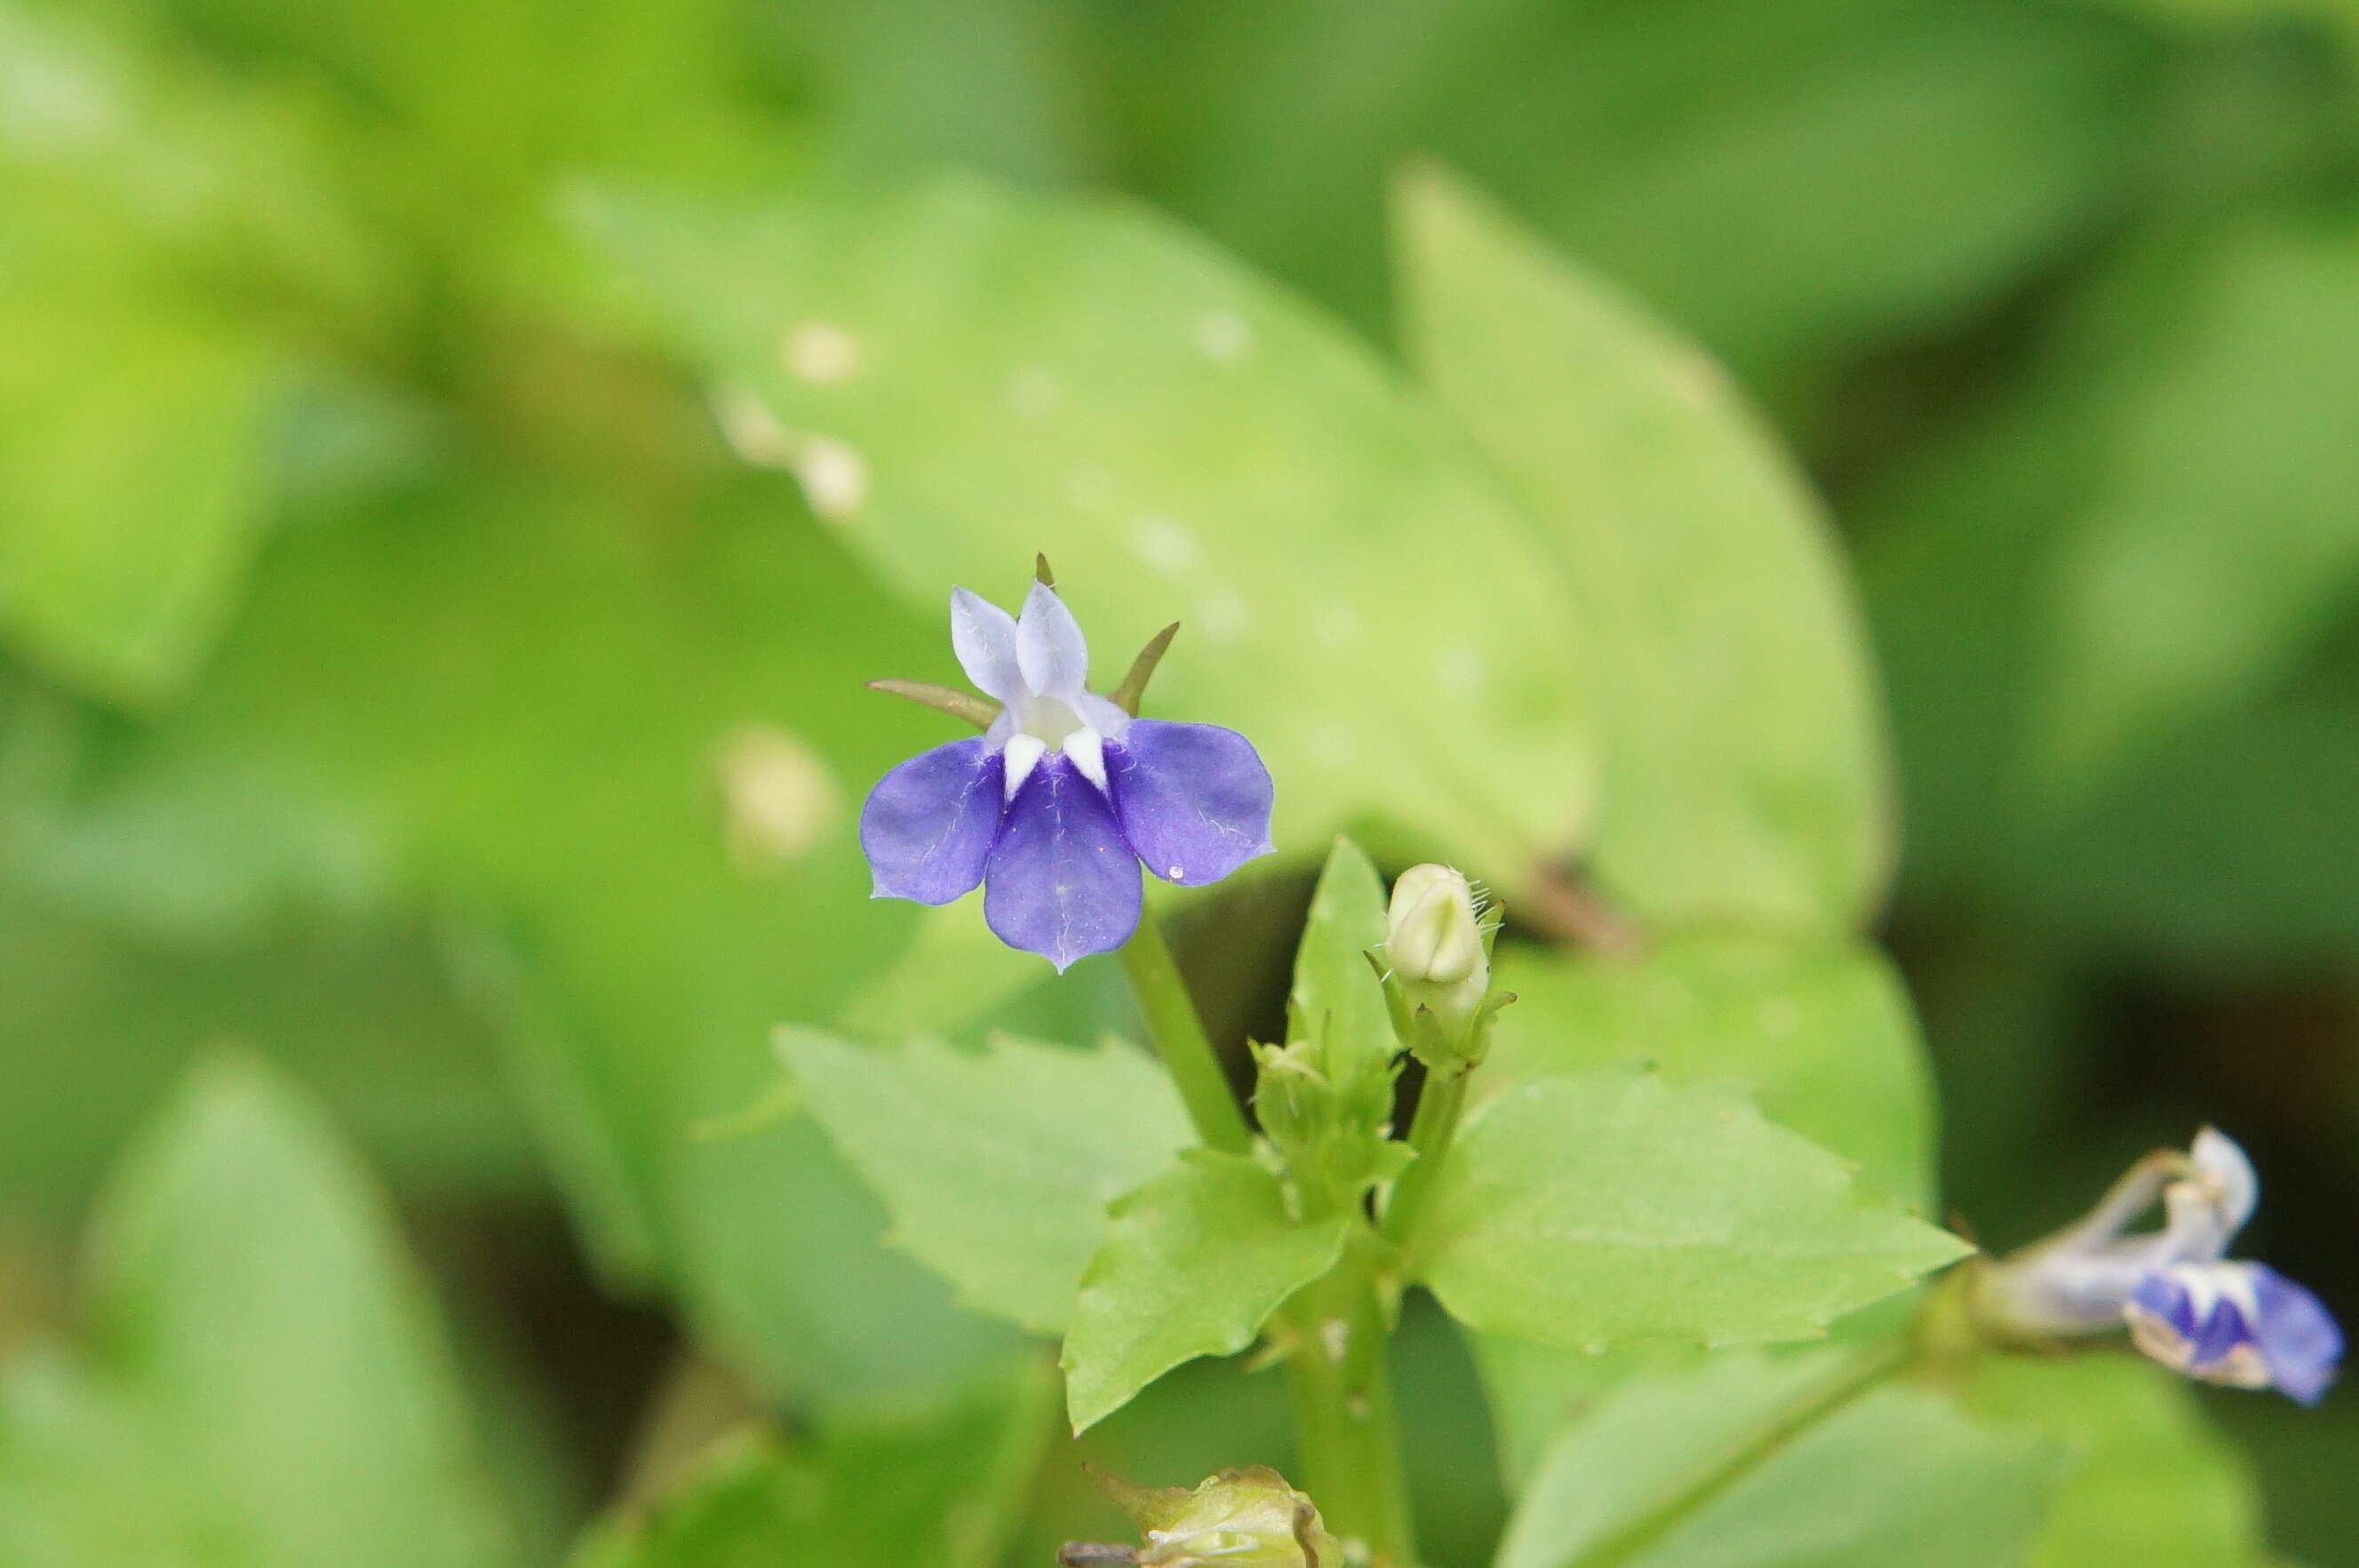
(1198, 1259)
(637, 774)
(1326, 1098)
(1752, 1460)
(123, 544)
(940, 1487)
(1744, 776)
(263, 1348)
(1336, 1001)
(101, 1027)
(1822, 1037)
(1890, 166)
(1006, 374)
(1615, 1206)
(2222, 536)
(997, 1167)
(2148, 1481)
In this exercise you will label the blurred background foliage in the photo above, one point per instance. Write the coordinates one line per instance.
(426, 671)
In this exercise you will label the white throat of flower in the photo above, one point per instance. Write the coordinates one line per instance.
(1035, 667)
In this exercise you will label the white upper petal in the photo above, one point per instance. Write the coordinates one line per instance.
(2227, 1175)
(1049, 646)
(984, 637)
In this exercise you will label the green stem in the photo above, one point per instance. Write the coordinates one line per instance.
(1343, 1421)
(1872, 1367)
(1431, 1133)
(1179, 1039)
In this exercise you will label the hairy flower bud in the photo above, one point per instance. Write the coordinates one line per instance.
(1438, 956)
(1431, 934)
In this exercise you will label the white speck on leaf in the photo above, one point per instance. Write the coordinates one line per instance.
(777, 793)
(819, 352)
(1223, 616)
(1223, 336)
(752, 432)
(1164, 544)
(835, 477)
(1032, 392)
(1461, 671)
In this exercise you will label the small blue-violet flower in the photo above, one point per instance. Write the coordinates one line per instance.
(2185, 1302)
(2243, 1324)
(1055, 805)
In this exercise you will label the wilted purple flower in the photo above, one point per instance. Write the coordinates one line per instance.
(2186, 1304)
(1055, 805)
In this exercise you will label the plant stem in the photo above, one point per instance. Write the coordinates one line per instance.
(1179, 1039)
(1343, 1421)
(1430, 1134)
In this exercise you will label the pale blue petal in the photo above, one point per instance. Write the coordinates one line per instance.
(984, 637)
(1049, 648)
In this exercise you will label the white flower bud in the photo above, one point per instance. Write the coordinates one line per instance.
(1431, 934)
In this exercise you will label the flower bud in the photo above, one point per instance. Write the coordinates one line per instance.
(1437, 948)
(1239, 1518)
(1431, 934)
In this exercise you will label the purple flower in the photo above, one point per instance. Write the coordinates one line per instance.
(2185, 1303)
(2243, 1324)
(1055, 805)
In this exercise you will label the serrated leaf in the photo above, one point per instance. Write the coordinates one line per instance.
(1614, 1205)
(2148, 1481)
(1821, 1036)
(1745, 776)
(1017, 373)
(264, 1349)
(1747, 1460)
(996, 1166)
(941, 1486)
(1196, 1261)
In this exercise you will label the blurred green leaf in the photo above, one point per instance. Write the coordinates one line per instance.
(130, 499)
(1744, 770)
(2222, 535)
(1003, 86)
(627, 750)
(1615, 1206)
(264, 1361)
(101, 1024)
(997, 1167)
(940, 1485)
(1198, 1258)
(1820, 1036)
(2148, 1481)
(1748, 1459)
(963, 376)
(1796, 184)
